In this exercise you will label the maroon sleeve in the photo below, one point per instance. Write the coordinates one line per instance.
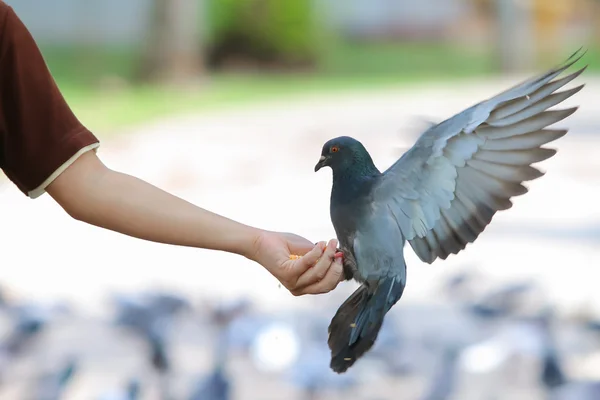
(39, 134)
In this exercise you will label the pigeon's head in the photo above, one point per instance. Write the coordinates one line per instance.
(341, 152)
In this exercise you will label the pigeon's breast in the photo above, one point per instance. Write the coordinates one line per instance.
(351, 204)
(345, 219)
(378, 245)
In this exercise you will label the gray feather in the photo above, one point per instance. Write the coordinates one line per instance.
(524, 142)
(504, 172)
(520, 103)
(515, 157)
(531, 124)
(535, 108)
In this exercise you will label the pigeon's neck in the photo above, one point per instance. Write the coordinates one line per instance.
(354, 180)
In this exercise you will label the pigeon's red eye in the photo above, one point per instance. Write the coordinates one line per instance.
(335, 149)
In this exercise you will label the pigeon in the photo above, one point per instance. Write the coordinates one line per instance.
(51, 384)
(438, 196)
(552, 375)
(216, 386)
(444, 379)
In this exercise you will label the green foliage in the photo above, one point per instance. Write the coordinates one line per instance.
(280, 31)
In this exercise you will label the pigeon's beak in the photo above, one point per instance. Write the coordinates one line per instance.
(322, 163)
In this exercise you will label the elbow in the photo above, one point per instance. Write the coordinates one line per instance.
(74, 204)
(75, 212)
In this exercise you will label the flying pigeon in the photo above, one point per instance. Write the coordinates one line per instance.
(439, 196)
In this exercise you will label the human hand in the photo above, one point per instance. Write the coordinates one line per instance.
(317, 271)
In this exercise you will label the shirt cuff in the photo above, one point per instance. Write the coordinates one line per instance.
(40, 190)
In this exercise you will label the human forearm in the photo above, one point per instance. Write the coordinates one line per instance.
(133, 207)
(92, 193)
(128, 205)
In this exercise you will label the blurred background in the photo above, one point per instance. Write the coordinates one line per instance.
(227, 103)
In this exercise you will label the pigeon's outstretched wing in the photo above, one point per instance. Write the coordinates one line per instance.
(445, 190)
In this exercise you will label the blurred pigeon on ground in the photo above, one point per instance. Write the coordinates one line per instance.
(52, 384)
(556, 382)
(442, 384)
(151, 317)
(439, 196)
(457, 281)
(215, 386)
(139, 312)
(502, 301)
(29, 322)
(312, 375)
(226, 311)
(157, 341)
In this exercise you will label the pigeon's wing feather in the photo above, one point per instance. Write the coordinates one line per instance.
(445, 190)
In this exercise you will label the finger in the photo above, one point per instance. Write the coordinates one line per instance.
(339, 257)
(301, 265)
(333, 277)
(318, 272)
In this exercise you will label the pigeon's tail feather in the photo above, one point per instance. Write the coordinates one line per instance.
(355, 326)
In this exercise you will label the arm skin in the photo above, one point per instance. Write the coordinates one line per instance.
(90, 192)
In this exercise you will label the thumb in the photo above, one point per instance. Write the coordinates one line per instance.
(298, 244)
